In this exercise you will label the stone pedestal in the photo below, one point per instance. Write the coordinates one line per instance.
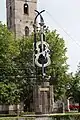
(43, 98)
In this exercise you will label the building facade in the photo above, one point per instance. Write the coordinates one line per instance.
(20, 16)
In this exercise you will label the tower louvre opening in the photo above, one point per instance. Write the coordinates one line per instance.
(26, 9)
(26, 31)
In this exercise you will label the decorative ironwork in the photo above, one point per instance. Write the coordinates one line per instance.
(41, 48)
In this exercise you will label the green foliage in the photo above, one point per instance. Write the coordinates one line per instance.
(16, 66)
(75, 86)
(8, 49)
(24, 68)
(9, 93)
(58, 68)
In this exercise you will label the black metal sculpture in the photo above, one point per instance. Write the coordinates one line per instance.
(41, 48)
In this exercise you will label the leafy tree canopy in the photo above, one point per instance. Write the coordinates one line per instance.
(16, 66)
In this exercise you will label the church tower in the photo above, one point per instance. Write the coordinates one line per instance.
(20, 16)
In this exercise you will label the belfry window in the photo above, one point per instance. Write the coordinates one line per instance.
(26, 9)
(26, 31)
(10, 11)
(10, 16)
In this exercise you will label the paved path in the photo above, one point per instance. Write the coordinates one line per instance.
(43, 118)
(38, 118)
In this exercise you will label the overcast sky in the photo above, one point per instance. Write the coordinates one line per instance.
(63, 15)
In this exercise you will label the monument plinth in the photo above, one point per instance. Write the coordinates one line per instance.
(43, 93)
(43, 98)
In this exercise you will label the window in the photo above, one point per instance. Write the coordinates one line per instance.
(26, 31)
(26, 9)
(10, 16)
(10, 11)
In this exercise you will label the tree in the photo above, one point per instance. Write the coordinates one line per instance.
(9, 93)
(58, 68)
(8, 49)
(17, 71)
(24, 70)
(75, 87)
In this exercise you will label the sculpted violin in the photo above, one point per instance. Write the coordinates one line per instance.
(42, 57)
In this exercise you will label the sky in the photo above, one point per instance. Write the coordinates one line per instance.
(64, 16)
